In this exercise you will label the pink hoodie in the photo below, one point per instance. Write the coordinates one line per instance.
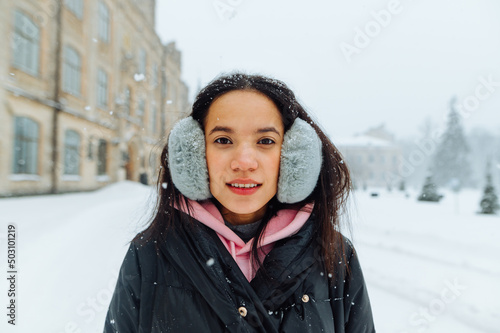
(286, 223)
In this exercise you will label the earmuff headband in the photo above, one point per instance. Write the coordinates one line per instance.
(300, 163)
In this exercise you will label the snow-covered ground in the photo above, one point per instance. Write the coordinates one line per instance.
(429, 267)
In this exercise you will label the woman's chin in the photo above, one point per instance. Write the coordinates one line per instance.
(240, 214)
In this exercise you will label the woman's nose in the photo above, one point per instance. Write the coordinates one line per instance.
(244, 159)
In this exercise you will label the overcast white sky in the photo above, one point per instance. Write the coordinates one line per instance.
(413, 63)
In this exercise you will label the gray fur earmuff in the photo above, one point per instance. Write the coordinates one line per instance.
(300, 163)
(187, 161)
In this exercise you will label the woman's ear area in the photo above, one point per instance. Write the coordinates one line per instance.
(300, 161)
(187, 159)
(300, 164)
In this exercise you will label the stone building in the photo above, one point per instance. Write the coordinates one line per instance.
(373, 158)
(87, 93)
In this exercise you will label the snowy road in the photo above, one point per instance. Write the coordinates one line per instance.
(428, 267)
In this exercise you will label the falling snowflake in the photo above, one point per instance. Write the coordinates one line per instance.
(138, 77)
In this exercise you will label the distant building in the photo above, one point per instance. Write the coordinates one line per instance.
(87, 91)
(373, 158)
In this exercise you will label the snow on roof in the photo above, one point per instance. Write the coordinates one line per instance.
(363, 141)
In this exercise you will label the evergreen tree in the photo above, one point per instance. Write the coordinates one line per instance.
(489, 202)
(402, 186)
(429, 191)
(450, 164)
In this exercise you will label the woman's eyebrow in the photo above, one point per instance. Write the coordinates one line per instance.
(268, 129)
(221, 129)
(230, 130)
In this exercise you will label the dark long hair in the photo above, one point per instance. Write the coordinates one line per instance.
(329, 195)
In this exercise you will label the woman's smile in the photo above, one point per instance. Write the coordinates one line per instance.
(244, 186)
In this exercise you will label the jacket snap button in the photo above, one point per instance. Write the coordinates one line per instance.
(305, 298)
(243, 311)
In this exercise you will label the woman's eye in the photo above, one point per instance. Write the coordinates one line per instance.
(266, 141)
(223, 141)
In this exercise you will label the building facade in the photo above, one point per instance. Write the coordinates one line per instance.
(87, 93)
(373, 159)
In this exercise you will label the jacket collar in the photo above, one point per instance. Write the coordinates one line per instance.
(196, 252)
(286, 223)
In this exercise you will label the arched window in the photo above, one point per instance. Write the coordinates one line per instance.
(142, 61)
(103, 22)
(72, 71)
(101, 157)
(102, 88)
(141, 109)
(71, 153)
(25, 44)
(26, 134)
(154, 75)
(127, 98)
(153, 120)
(75, 6)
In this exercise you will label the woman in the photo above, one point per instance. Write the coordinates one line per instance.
(245, 235)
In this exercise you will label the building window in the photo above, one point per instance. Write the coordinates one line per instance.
(164, 87)
(101, 157)
(102, 88)
(127, 100)
(154, 75)
(25, 146)
(152, 119)
(103, 24)
(75, 6)
(72, 71)
(25, 44)
(90, 149)
(71, 153)
(141, 106)
(142, 61)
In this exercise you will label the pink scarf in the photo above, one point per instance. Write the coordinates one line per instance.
(286, 223)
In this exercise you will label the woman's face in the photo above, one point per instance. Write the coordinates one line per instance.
(243, 133)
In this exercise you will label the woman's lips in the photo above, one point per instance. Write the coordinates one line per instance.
(243, 187)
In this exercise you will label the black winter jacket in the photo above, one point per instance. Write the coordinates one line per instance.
(190, 283)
